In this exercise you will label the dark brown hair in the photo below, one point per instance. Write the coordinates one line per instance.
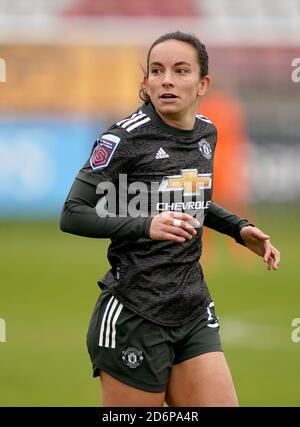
(183, 37)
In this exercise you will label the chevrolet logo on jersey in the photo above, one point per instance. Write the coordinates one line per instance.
(185, 191)
(190, 182)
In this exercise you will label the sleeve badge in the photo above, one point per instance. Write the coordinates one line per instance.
(104, 151)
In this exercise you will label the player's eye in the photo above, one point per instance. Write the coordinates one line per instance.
(182, 70)
(156, 71)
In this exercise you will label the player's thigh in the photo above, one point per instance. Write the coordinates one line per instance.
(116, 393)
(203, 380)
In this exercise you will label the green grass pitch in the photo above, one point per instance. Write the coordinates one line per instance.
(48, 288)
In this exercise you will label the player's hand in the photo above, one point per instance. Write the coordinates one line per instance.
(175, 226)
(259, 243)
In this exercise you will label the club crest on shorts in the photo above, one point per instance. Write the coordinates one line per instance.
(104, 151)
(205, 149)
(132, 357)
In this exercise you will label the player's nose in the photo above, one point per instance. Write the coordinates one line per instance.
(167, 79)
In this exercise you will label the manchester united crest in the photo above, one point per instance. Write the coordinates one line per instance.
(205, 149)
(132, 357)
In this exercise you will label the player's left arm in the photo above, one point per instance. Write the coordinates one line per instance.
(259, 243)
(243, 232)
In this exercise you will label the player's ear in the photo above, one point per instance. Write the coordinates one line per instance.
(146, 85)
(203, 85)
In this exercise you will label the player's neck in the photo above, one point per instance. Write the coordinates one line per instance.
(179, 120)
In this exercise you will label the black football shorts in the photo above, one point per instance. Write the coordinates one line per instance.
(141, 353)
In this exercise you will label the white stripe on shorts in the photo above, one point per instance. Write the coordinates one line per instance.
(108, 325)
(116, 316)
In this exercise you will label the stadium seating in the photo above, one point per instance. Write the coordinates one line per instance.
(132, 8)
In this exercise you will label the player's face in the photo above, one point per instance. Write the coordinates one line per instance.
(174, 83)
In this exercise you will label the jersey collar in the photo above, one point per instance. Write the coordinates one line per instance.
(149, 109)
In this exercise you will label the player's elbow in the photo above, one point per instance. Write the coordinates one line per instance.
(64, 223)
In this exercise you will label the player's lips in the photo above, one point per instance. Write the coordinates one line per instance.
(168, 97)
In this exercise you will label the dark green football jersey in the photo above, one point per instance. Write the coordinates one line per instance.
(172, 171)
(138, 168)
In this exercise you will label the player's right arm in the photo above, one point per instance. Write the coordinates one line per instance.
(110, 157)
(79, 216)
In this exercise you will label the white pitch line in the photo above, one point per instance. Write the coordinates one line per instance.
(240, 333)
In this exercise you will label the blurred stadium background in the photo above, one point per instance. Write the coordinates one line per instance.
(69, 69)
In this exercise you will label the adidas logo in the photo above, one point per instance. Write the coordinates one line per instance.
(161, 154)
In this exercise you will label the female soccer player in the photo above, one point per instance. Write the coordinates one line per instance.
(154, 335)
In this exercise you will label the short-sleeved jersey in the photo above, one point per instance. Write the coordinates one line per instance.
(155, 168)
